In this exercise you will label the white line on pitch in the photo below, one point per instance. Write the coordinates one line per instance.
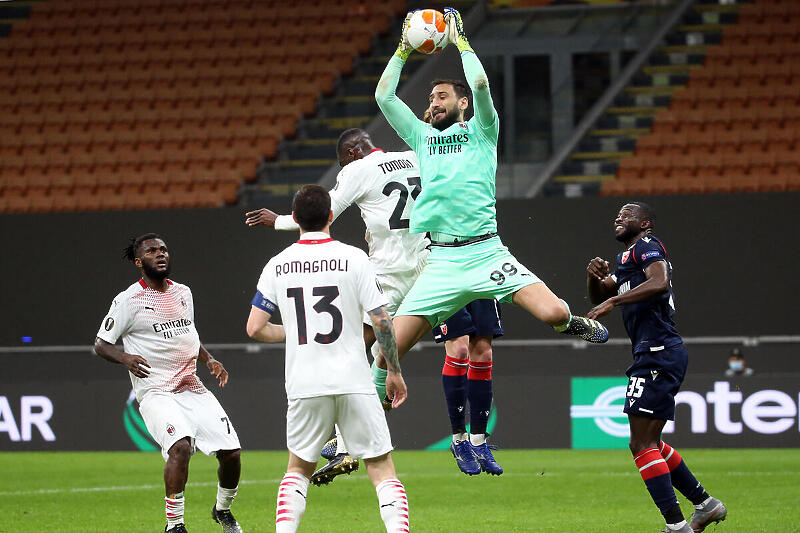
(359, 477)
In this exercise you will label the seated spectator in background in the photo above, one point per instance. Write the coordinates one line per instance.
(737, 367)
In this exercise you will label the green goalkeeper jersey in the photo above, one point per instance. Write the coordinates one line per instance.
(457, 165)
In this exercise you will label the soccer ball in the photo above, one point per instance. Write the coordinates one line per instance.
(426, 31)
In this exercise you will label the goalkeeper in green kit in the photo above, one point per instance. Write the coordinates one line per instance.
(458, 160)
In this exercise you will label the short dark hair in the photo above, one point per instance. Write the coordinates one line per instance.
(347, 137)
(646, 212)
(130, 252)
(311, 207)
(459, 87)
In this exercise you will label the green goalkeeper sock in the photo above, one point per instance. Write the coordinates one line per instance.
(379, 378)
(565, 325)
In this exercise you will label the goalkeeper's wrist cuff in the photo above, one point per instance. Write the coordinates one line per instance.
(402, 53)
(463, 45)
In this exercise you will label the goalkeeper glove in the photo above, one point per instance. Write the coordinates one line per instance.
(404, 48)
(455, 29)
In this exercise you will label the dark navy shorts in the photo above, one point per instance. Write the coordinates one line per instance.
(654, 380)
(480, 318)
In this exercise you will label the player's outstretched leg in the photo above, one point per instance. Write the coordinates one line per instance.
(540, 301)
(708, 510)
(587, 329)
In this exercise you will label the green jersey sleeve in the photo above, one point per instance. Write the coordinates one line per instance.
(397, 113)
(485, 113)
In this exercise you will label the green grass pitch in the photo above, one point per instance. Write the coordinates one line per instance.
(567, 491)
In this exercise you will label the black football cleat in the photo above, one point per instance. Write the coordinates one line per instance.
(179, 528)
(341, 464)
(226, 520)
(587, 329)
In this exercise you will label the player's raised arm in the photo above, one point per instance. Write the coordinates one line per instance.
(599, 283)
(400, 117)
(343, 195)
(477, 79)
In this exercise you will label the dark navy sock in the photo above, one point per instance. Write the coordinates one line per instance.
(655, 473)
(479, 395)
(682, 477)
(454, 383)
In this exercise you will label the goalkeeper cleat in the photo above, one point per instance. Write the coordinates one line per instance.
(226, 520)
(483, 454)
(465, 459)
(179, 528)
(329, 450)
(587, 329)
(341, 464)
(712, 512)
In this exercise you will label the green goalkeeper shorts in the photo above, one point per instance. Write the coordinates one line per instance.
(457, 275)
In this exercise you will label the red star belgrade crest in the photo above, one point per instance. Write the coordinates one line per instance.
(625, 256)
(170, 429)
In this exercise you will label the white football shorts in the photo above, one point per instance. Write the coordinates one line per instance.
(170, 417)
(360, 418)
(396, 285)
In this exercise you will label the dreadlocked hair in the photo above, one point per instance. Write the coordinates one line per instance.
(129, 252)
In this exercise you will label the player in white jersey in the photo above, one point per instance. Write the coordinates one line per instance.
(154, 317)
(383, 185)
(322, 288)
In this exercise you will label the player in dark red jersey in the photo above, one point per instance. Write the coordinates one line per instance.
(642, 285)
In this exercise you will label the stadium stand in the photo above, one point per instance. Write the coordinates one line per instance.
(123, 104)
(715, 110)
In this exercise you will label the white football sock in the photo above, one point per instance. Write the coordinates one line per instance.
(477, 439)
(225, 497)
(703, 504)
(676, 527)
(393, 505)
(460, 437)
(341, 447)
(291, 502)
(174, 510)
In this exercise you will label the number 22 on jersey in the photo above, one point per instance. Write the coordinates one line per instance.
(395, 220)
